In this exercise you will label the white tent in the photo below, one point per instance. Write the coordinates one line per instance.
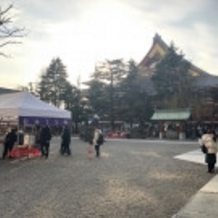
(30, 110)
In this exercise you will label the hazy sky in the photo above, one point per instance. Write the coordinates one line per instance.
(84, 32)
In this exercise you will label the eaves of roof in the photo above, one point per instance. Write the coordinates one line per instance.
(206, 80)
(170, 115)
(156, 40)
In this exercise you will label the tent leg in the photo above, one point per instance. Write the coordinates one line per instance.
(18, 138)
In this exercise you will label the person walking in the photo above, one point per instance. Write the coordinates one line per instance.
(97, 140)
(37, 137)
(66, 139)
(209, 140)
(45, 137)
(89, 134)
(10, 139)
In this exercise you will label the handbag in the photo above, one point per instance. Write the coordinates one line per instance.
(204, 149)
(90, 152)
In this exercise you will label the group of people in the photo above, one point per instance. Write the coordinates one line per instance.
(207, 140)
(42, 141)
(44, 137)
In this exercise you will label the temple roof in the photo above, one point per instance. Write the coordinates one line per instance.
(207, 81)
(157, 51)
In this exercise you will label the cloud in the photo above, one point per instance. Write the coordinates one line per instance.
(82, 32)
(190, 24)
(53, 10)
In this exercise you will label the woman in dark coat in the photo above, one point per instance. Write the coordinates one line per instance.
(45, 137)
(209, 140)
(66, 139)
(10, 139)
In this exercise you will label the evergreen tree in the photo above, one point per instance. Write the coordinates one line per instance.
(172, 80)
(136, 104)
(104, 90)
(98, 96)
(73, 102)
(53, 83)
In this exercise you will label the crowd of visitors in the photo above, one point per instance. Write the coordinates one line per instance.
(94, 137)
(43, 136)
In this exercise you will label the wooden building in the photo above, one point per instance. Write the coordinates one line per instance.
(205, 84)
(6, 90)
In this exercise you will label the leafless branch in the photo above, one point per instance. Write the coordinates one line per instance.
(6, 31)
(3, 18)
(16, 32)
(6, 10)
(9, 42)
(4, 55)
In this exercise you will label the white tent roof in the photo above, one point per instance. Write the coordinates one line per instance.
(24, 104)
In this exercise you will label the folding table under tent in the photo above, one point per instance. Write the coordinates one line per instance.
(25, 109)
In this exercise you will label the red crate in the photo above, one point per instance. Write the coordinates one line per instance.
(21, 152)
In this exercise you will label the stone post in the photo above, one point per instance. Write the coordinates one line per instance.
(161, 130)
(181, 132)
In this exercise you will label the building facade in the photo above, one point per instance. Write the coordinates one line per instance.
(205, 84)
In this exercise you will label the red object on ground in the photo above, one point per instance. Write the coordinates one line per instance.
(116, 135)
(22, 152)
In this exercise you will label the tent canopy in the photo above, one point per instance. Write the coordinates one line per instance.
(31, 110)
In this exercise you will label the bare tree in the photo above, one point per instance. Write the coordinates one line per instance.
(8, 33)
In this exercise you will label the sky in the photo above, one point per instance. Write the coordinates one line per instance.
(85, 32)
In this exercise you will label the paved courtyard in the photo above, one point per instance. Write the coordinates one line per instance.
(132, 179)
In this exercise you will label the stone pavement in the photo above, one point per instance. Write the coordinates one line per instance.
(75, 185)
(204, 203)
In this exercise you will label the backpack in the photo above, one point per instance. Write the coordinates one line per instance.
(100, 140)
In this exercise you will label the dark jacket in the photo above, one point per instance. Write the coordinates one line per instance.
(11, 138)
(66, 136)
(89, 134)
(45, 135)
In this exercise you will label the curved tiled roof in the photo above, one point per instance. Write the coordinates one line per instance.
(205, 81)
(177, 114)
(147, 60)
(203, 78)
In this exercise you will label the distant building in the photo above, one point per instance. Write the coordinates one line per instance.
(6, 90)
(157, 51)
(205, 83)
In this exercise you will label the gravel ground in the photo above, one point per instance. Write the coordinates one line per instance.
(131, 179)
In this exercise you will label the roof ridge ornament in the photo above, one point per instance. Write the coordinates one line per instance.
(157, 37)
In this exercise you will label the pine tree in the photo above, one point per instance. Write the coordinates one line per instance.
(172, 80)
(136, 105)
(53, 83)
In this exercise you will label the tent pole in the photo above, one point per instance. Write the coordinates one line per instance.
(18, 138)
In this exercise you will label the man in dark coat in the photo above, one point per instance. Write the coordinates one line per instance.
(66, 139)
(10, 139)
(45, 137)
